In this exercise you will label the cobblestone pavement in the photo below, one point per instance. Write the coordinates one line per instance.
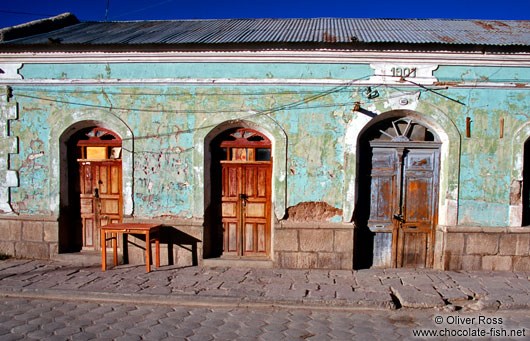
(386, 289)
(39, 319)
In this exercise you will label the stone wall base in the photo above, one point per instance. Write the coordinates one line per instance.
(296, 245)
(37, 237)
(29, 236)
(483, 248)
(313, 245)
(180, 243)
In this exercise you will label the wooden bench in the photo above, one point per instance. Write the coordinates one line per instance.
(151, 232)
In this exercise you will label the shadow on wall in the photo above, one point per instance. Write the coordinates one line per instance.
(176, 248)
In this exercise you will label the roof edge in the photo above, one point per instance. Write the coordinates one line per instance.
(38, 26)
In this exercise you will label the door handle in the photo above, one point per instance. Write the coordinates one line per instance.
(243, 198)
(399, 217)
(96, 192)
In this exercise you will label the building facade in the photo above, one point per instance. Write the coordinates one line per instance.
(363, 143)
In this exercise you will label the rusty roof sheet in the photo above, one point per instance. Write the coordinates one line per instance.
(314, 30)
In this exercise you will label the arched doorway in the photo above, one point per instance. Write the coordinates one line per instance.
(240, 214)
(94, 184)
(396, 211)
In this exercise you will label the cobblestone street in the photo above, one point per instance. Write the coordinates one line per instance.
(60, 320)
(369, 289)
(49, 300)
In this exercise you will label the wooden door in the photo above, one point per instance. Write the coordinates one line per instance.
(418, 216)
(101, 198)
(246, 209)
(403, 190)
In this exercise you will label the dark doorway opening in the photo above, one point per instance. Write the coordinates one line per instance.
(363, 251)
(71, 234)
(526, 185)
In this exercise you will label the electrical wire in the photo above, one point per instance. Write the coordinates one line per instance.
(282, 107)
(297, 105)
(291, 106)
(28, 13)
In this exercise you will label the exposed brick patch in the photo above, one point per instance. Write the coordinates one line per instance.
(312, 211)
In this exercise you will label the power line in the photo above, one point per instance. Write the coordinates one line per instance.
(175, 111)
(28, 13)
(141, 9)
(282, 107)
(297, 105)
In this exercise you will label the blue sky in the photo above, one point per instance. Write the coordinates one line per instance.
(17, 12)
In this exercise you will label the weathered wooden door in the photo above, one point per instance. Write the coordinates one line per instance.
(403, 169)
(404, 188)
(100, 188)
(100, 196)
(246, 195)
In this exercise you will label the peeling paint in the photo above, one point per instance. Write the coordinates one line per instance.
(316, 125)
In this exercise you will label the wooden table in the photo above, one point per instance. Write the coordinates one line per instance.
(151, 232)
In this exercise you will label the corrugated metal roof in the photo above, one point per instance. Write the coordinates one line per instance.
(315, 30)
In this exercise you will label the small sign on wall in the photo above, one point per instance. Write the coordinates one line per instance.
(386, 73)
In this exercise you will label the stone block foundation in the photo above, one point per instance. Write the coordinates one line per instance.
(37, 237)
(305, 245)
(483, 248)
(29, 236)
(180, 243)
(296, 245)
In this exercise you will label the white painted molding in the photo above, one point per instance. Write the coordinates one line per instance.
(10, 70)
(252, 82)
(275, 56)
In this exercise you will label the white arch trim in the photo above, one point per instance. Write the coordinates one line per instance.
(214, 127)
(62, 128)
(449, 159)
(516, 208)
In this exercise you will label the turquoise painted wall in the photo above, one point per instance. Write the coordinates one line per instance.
(165, 118)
